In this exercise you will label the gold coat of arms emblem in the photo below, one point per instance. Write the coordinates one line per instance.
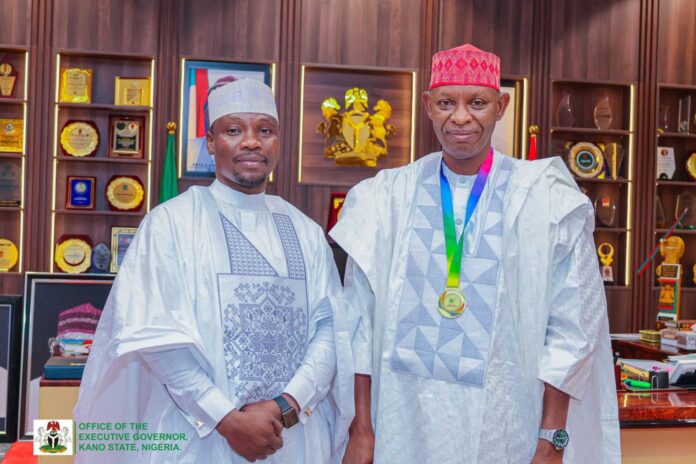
(355, 137)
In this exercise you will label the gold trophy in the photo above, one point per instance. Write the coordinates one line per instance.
(8, 78)
(606, 257)
(669, 275)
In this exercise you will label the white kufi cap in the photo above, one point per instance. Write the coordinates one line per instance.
(241, 96)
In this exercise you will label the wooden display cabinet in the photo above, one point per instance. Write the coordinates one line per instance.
(684, 144)
(14, 106)
(572, 108)
(97, 223)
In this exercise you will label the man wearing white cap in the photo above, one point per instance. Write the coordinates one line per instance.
(484, 336)
(224, 322)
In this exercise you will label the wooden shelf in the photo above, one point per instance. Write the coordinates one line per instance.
(7, 154)
(601, 181)
(676, 87)
(94, 159)
(593, 83)
(2, 274)
(677, 231)
(618, 230)
(675, 183)
(11, 208)
(589, 131)
(676, 135)
(615, 288)
(104, 55)
(92, 212)
(12, 101)
(104, 107)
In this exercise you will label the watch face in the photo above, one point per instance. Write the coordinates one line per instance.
(560, 438)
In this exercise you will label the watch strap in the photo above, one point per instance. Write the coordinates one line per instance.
(549, 435)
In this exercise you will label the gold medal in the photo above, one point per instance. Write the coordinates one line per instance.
(452, 303)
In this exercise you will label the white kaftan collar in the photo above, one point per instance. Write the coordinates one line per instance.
(240, 200)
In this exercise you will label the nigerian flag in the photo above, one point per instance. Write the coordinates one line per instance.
(168, 182)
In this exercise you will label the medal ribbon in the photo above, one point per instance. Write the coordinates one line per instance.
(453, 246)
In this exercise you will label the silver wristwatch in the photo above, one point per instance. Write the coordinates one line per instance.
(558, 437)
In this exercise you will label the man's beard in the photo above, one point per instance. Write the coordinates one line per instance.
(248, 181)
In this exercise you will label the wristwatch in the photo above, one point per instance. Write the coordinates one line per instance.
(288, 415)
(558, 437)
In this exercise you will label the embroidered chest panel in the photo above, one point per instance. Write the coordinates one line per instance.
(426, 344)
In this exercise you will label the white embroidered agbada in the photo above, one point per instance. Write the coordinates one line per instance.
(469, 390)
(246, 283)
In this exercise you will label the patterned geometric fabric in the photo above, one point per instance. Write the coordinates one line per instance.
(264, 315)
(465, 65)
(427, 344)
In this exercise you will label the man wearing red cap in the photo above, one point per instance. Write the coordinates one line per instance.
(484, 334)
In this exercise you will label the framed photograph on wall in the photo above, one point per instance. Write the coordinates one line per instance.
(50, 300)
(197, 77)
(509, 136)
(354, 122)
(10, 317)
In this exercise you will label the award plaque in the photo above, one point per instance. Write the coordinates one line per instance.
(666, 165)
(132, 91)
(663, 121)
(101, 258)
(684, 122)
(8, 78)
(660, 218)
(691, 166)
(79, 138)
(564, 112)
(80, 192)
(669, 274)
(337, 200)
(586, 160)
(602, 114)
(125, 193)
(686, 201)
(11, 135)
(75, 85)
(606, 257)
(605, 208)
(126, 135)
(9, 255)
(614, 155)
(10, 183)
(121, 238)
(74, 255)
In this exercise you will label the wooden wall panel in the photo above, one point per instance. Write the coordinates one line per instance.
(240, 29)
(503, 27)
(126, 26)
(361, 32)
(676, 42)
(384, 33)
(595, 39)
(15, 25)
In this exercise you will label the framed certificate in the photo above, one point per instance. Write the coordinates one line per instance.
(79, 138)
(75, 85)
(125, 193)
(121, 238)
(132, 91)
(80, 192)
(126, 135)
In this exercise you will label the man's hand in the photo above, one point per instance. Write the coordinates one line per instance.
(253, 435)
(361, 444)
(546, 454)
(271, 407)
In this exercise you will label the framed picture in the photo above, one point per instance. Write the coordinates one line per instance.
(197, 77)
(10, 317)
(354, 122)
(509, 136)
(121, 238)
(132, 91)
(126, 136)
(50, 300)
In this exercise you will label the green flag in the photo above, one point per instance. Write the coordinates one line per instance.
(168, 183)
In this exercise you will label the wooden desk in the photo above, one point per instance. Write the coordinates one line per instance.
(642, 350)
(57, 398)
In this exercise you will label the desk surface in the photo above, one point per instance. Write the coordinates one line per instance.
(661, 408)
